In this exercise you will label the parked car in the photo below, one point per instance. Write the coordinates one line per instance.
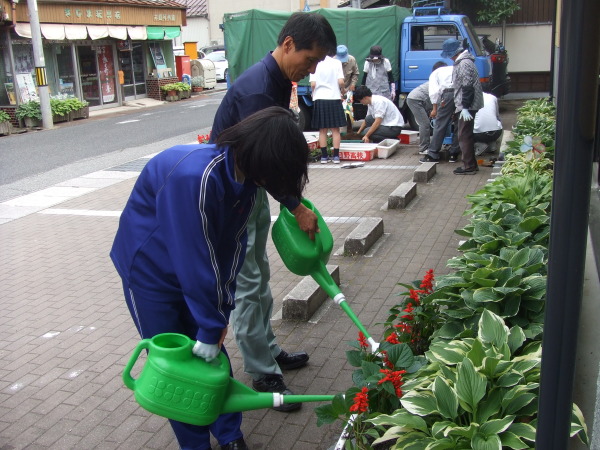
(206, 50)
(220, 62)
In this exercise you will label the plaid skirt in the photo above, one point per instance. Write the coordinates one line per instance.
(328, 114)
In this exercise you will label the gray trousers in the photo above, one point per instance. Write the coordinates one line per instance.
(382, 132)
(445, 113)
(251, 318)
(419, 109)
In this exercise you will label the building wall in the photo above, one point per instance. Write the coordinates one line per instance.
(197, 30)
(533, 57)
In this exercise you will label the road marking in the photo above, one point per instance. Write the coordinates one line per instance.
(128, 121)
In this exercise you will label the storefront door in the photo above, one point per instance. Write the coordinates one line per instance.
(98, 83)
(131, 60)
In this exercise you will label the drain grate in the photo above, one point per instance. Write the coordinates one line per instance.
(131, 166)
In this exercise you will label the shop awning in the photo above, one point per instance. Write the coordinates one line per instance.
(60, 32)
(160, 33)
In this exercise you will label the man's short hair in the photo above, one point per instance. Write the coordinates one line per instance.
(438, 64)
(309, 30)
(361, 92)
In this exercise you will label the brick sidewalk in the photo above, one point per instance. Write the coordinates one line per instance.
(66, 332)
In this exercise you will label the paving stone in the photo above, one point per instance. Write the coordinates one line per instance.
(402, 195)
(360, 240)
(306, 297)
(425, 172)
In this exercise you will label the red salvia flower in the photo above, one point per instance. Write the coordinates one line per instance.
(404, 327)
(427, 283)
(386, 360)
(395, 377)
(362, 340)
(361, 401)
(392, 338)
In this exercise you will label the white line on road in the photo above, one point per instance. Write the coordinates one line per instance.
(128, 121)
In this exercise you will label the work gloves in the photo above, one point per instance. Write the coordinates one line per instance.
(206, 351)
(393, 90)
(466, 115)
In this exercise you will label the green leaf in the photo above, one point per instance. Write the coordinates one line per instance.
(510, 440)
(401, 355)
(476, 354)
(441, 444)
(492, 329)
(447, 402)
(419, 403)
(518, 402)
(496, 426)
(358, 378)
(447, 352)
(520, 258)
(578, 426)
(509, 379)
(354, 357)
(325, 415)
(490, 406)
(516, 337)
(401, 418)
(470, 385)
(484, 295)
(483, 442)
(369, 368)
(467, 432)
(439, 428)
(523, 431)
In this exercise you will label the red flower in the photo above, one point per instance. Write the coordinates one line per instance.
(386, 360)
(361, 401)
(203, 138)
(408, 309)
(414, 295)
(395, 377)
(392, 338)
(362, 340)
(427, 283)
(404, 328)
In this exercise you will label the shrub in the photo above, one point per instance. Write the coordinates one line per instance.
(29, 109)
(4, 117)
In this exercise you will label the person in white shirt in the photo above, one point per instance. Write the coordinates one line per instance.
(327, 85)
(383, 120)
(441, 95)
(488, 127)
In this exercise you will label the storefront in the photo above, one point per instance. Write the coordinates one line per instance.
(104, 53)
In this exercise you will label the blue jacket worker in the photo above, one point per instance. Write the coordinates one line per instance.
(182, 238)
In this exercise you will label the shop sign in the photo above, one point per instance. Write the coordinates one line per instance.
(106, 68)
(94, 13)
(124, 46)
(164, 17)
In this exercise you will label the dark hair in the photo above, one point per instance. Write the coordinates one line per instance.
(270, 149)
(438, 64)
(308, 30)
(361, 92)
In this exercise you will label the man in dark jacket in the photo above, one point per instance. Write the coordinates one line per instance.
(468, 99)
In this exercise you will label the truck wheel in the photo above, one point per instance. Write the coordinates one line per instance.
(305, 118)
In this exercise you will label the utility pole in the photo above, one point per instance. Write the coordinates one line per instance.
(40, 64)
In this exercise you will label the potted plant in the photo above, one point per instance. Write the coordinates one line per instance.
(79, 109)
(171, 91)
(5, 125)
(60, 110)
(185, 90)
(198, 83)
(30, 113)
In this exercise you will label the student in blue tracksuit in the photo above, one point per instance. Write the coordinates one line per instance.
(182, 238)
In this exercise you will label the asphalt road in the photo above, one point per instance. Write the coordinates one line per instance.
(38, 159)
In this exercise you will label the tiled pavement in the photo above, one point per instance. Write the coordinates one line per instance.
(66, 332)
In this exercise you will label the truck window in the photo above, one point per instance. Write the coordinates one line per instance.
(432, 37)
(476, 44)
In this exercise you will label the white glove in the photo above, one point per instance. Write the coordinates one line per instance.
(205, 351)
(393, 90)
(466, 115)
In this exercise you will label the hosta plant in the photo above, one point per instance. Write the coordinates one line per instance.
(536, 120)
(478, 393)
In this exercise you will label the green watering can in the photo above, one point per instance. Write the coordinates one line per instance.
(178, 385)
(303, 256)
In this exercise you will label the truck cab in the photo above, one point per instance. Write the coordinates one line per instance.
(423, 35)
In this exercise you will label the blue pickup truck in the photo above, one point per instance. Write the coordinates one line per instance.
(411, 40)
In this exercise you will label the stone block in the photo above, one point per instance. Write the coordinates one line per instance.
(424, 172)
(402, 195)
(360, 240)
(306, 297)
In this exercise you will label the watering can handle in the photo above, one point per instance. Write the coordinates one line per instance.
(127, 378)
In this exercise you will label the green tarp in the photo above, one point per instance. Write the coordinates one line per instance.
(159, 33)
(249, 35)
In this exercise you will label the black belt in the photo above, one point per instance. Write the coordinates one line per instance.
(448, 90)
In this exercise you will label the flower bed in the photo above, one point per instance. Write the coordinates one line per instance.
(460, 363)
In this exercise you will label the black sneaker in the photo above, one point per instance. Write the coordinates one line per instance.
(238, 444)
(463, 171)
(453, 158)
(427, 158)
(289, 361)
(274, 383)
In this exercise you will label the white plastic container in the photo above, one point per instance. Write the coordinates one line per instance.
(387, 148)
